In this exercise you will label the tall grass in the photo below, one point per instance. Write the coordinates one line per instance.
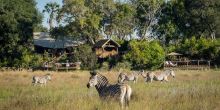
(190, 90)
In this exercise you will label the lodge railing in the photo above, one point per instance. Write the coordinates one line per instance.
(188, 64)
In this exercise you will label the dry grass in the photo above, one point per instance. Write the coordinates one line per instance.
(190, 90)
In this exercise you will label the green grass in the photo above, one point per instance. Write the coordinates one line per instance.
(190, 90)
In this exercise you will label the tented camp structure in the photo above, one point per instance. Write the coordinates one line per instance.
(106, 48)
(43, 42)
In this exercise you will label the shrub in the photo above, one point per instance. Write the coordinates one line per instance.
(199, 48)
(105, 66)
(86, 56)
(123, 65)
(144, 54)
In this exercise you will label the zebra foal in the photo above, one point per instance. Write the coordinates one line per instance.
(41, 79)
(121, 92)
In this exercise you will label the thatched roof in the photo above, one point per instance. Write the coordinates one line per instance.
(103, 42)
(174, 54)
(44, 40)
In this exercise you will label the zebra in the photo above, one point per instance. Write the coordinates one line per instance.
(124, 77)
(41, 79)
(163, 76)
(120, 92)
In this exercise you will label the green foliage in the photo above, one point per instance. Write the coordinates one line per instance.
(86, 56)
(17, 21)
(146, 11)
(186, 18)
(40, 28)
(123, 65)
(199, 48)
(122, 21)
(36, 61)
(144, 54)
(105, 66)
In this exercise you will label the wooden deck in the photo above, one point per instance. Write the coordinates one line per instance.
(189, 65)
(62, 66)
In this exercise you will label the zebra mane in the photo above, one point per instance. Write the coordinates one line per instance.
(102, 80)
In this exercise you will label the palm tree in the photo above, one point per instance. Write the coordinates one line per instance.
(52, 9)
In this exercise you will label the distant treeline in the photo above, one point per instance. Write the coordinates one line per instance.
(146, 30)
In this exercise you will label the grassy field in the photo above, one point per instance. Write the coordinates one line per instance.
(190, 90)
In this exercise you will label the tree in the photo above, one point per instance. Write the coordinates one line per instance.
(40, 28)
(146, 11)
(52, 9)
(17, 21)
(144, 54)
(166, 29)
(122, 21)
(187, 18)
(199, 48)
(86, 56)
(83, 22)
(93, 18)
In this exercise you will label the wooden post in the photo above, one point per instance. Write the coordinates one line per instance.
(187, 64)
(209, 64)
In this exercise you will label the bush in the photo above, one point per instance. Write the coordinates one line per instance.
(123, 65)
(144, 54)
(105, 66)
(86, 56)
(25, 59)
(199, 48)
(37, 61)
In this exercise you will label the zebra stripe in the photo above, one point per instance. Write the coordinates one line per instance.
(41, 79)
(122, 77)
(163, 76)
(121, 92)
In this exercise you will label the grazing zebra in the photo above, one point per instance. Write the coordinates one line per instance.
(163, 76)
(41, 79)
(124, 77)
(121, 92)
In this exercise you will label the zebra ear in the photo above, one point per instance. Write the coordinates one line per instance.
(93, 73)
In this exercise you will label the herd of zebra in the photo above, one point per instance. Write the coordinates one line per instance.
(121, 90)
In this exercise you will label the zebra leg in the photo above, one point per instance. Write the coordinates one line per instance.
(151, 80)
(128, 94)
(166, 79)
(123, 97)
(134, 80)
(33, 84)
(146, 80)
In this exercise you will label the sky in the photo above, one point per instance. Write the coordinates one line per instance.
(40, 6)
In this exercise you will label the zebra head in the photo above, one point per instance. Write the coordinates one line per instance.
(93, 80)
(121, 77)
(47, 76)
(143, 73)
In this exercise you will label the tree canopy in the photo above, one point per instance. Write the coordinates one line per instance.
(147, 29)
(17, 21)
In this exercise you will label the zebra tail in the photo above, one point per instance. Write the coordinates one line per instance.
(34, 79)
